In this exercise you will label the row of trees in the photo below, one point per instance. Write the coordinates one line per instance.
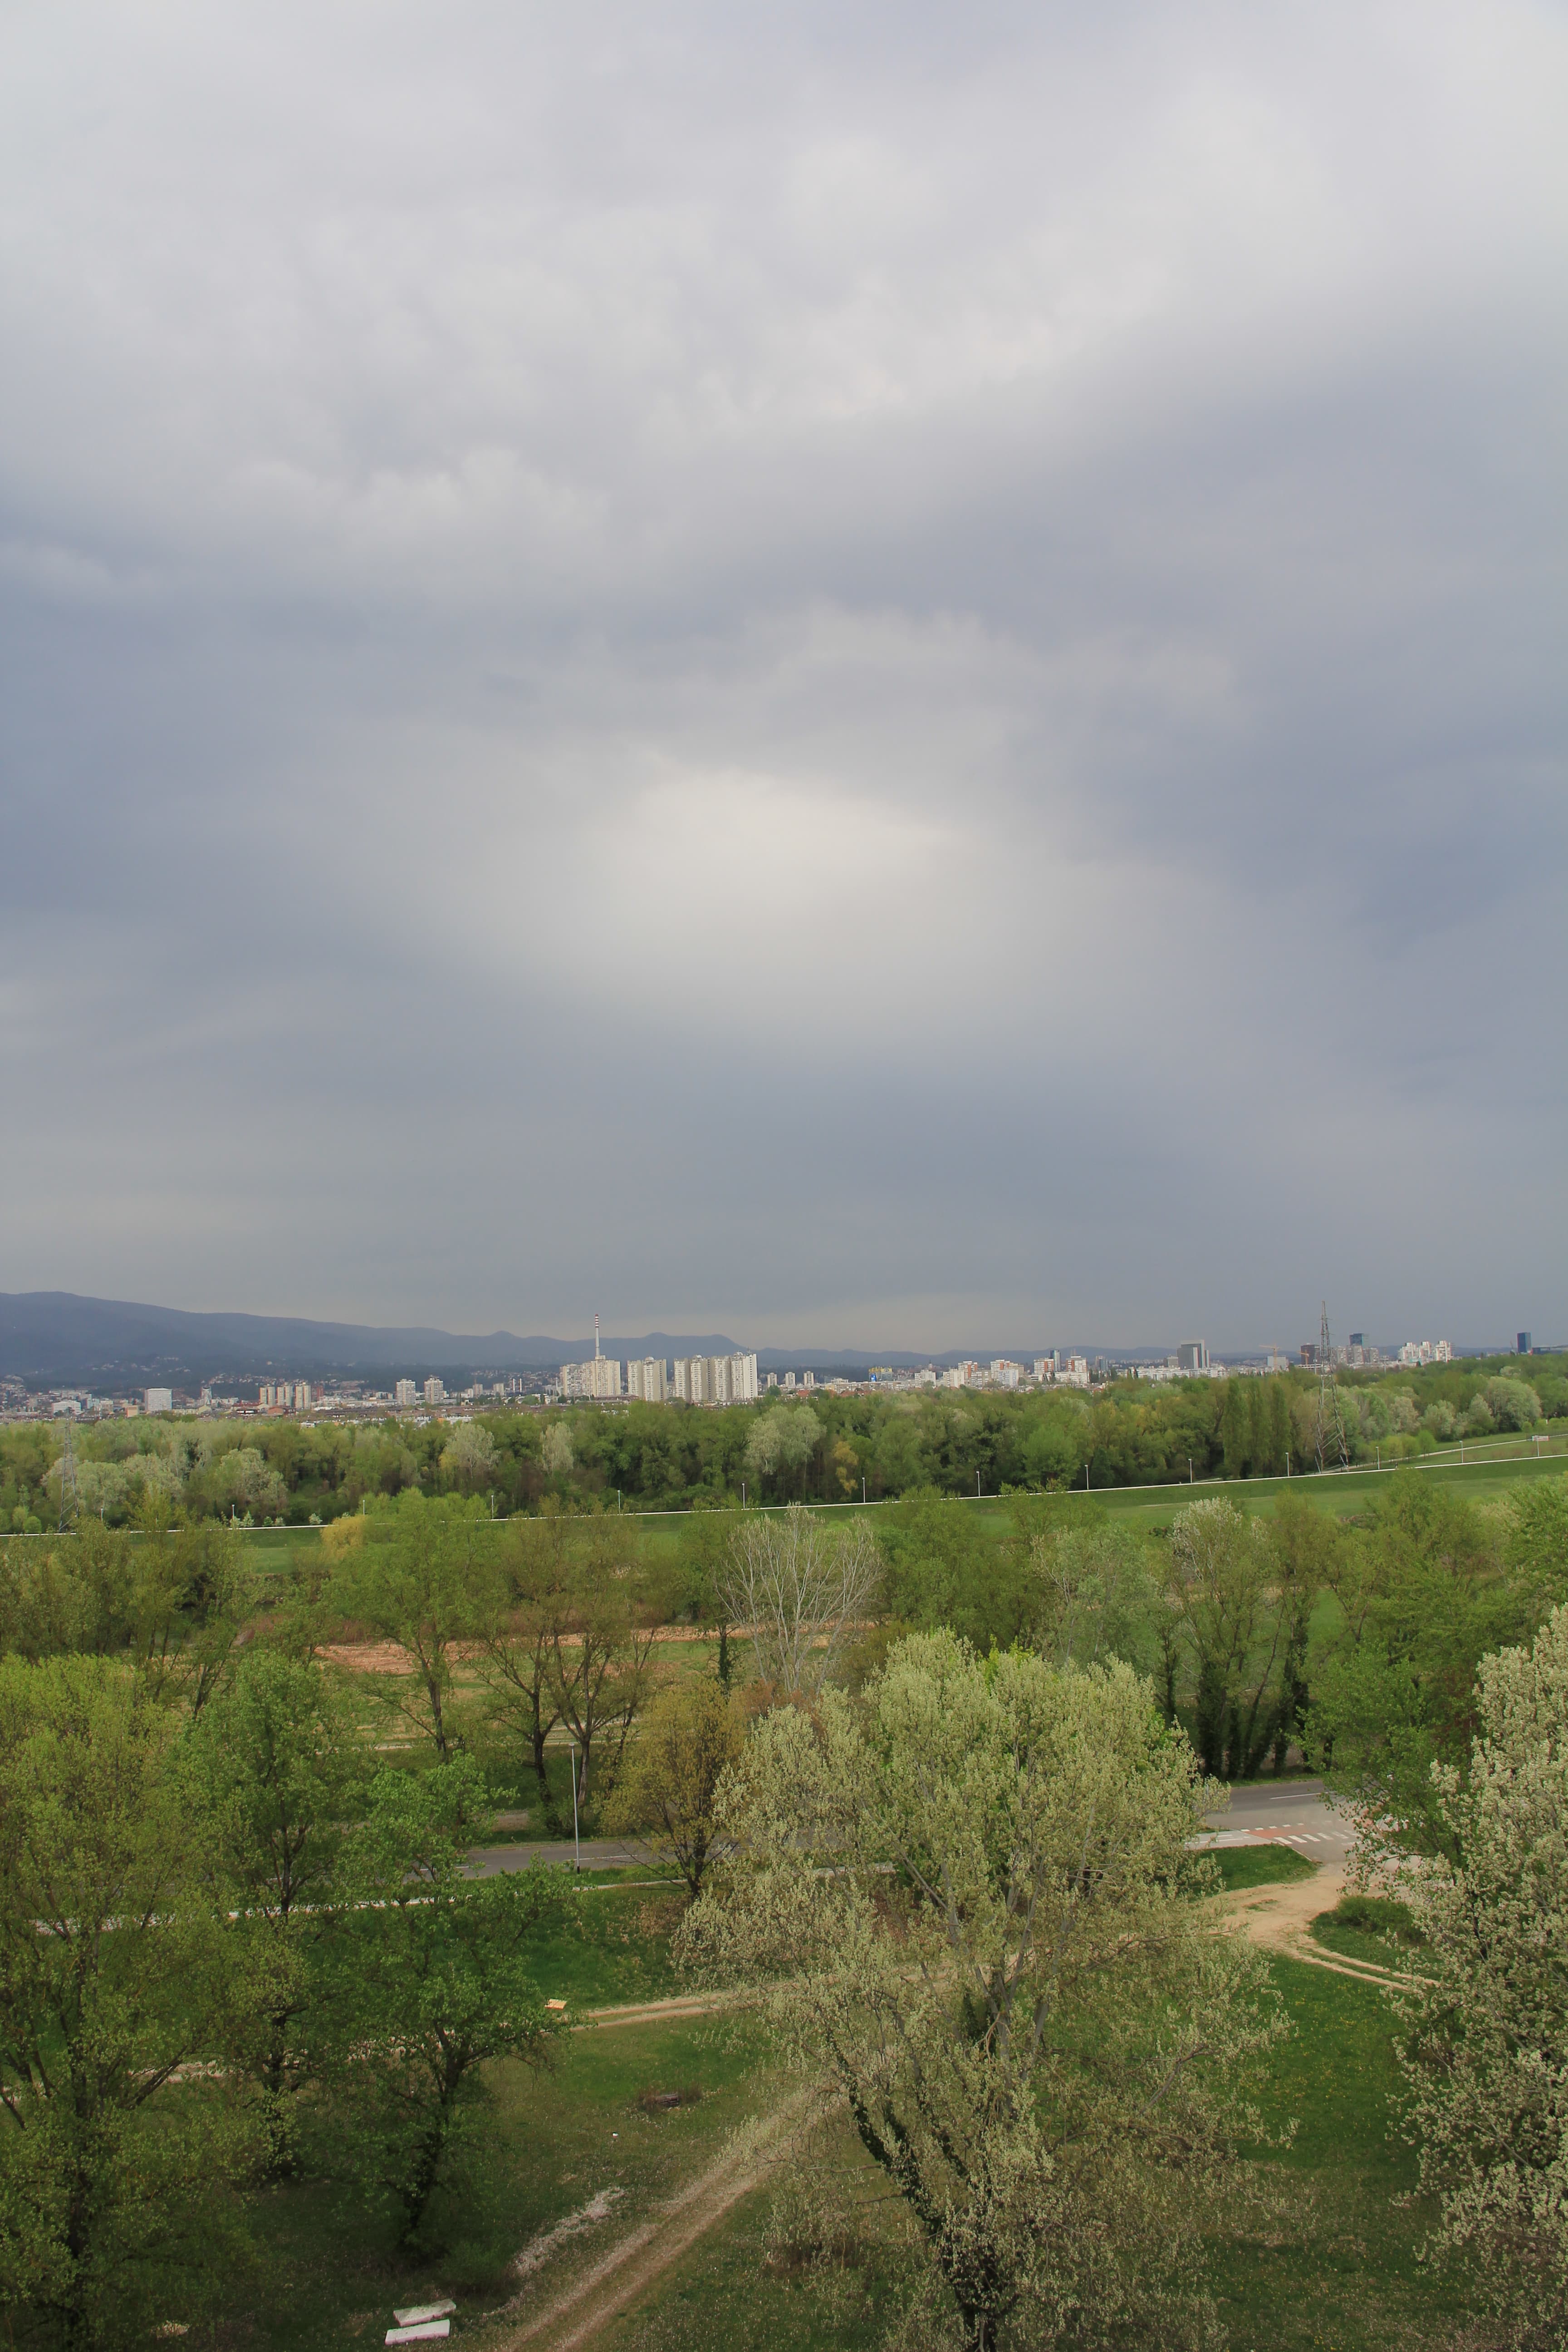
(1357, 1640)
(827, 1449)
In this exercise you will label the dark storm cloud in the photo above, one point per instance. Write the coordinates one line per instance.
(871, 677)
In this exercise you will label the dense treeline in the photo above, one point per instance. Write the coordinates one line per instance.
(238, 1944)
(827, 1448)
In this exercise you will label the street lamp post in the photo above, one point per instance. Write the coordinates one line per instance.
(576, 1836)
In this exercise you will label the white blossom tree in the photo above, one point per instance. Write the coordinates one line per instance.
(1485, 2050)
(804, 1589)
(966, 1907)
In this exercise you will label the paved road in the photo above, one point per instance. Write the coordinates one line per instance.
(599, 1853)
(1293, 1812)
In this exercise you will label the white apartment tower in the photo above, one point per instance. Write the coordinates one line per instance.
(648, 1379)
(715, 1380)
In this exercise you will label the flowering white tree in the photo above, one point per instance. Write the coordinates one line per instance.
(804, 1589)
(1486, 2047)
(966, 1906)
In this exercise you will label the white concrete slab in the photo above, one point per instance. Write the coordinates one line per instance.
(418, 2313)
(423, 2334)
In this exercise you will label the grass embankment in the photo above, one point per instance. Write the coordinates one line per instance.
(1485, 1471)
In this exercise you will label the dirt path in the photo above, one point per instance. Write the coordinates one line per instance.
(1281, 1918)
(630, 2268)
(673, 2007)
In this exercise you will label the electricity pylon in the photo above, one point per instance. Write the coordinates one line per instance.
(1331, 1419)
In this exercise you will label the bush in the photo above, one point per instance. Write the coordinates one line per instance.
(1378, 1914)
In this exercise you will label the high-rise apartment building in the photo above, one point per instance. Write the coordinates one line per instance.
(648, 1379)
(717, 1380)
(1006, 1374)
(158, 1400)
(406, 1392)
(1192, 1356)
(434, 1391)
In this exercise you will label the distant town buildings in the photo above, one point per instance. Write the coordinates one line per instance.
(292, 1395)
(1075, 1372)
(1522, 1346)
(158, 1400)
(1005, 1373)
(1193, 1356)
(434, 1391)
(1415, 1353)
(404, 1394)
(648, 1379)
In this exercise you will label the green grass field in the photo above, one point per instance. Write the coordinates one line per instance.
(1330, 2266)
(818, 2256)
(327, 2273)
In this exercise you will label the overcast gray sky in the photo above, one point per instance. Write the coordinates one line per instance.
(885, 675)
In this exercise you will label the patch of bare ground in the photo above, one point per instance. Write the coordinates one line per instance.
(1281, 1918)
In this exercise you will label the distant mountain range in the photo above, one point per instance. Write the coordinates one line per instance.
(53, 1336)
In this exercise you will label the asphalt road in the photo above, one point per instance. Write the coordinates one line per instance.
(1290, 1810)
(599, 1853)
